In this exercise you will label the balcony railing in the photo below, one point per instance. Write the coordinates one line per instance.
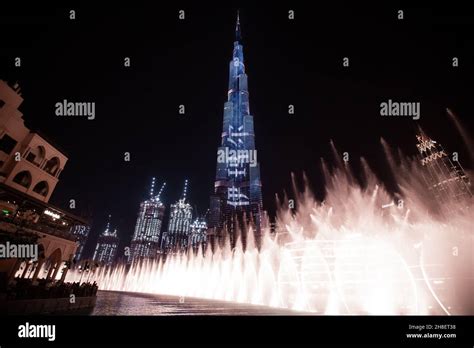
(14, 225)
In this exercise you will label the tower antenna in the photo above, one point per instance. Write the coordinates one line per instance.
(152, 188)
(238, 35)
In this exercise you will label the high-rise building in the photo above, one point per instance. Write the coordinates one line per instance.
(444, 177)
(146, 238)
(198, 234)
(81, 232)
(107, 246)
(237, 200)
(179, 225)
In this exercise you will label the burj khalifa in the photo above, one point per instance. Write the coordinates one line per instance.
(236, 206)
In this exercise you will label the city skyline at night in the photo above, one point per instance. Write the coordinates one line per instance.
(330, 101)
(203, 167)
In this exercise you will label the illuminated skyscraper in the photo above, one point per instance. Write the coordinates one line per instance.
(443, 174)
(238, 189)
(145, 241)
(179, 226)
(81, 232)
(107, 246)
(198, 234)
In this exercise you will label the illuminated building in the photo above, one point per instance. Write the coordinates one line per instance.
(237, 199)
(198, 234)
(145, 241)
(28, 162)
(81, 232)
(107, 246)
(444, 177)
(179, 226)
(30, 166)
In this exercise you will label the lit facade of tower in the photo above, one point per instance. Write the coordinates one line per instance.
(198, 234)
(444, 177)
(81, 232)
(179, 226)
(237, 199)
(107, 246)
(146, 238)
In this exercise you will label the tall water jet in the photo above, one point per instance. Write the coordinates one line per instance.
(362, 250)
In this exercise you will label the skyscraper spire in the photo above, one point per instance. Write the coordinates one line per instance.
(238, 36)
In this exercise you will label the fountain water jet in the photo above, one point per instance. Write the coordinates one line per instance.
(353, 253)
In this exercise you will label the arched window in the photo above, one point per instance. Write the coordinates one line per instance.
(41, 188)
(55, 256)
(52, 166)
(23, 178)
(36, 155)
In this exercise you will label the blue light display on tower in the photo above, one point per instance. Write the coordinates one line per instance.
(238, 190)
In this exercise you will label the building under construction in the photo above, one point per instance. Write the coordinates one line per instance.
(443, 174)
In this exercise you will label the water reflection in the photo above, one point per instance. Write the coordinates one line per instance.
(122, 303)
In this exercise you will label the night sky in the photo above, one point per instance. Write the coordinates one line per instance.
(173, 62)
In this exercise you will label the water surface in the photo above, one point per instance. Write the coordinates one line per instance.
(128, 303)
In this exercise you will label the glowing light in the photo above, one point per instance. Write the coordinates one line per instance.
(54, 215)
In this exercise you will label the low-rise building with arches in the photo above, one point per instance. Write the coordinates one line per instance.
(30, 166)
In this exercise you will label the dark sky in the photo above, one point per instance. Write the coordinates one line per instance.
(175, 62)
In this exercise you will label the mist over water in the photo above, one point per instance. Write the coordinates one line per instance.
(362, 250)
